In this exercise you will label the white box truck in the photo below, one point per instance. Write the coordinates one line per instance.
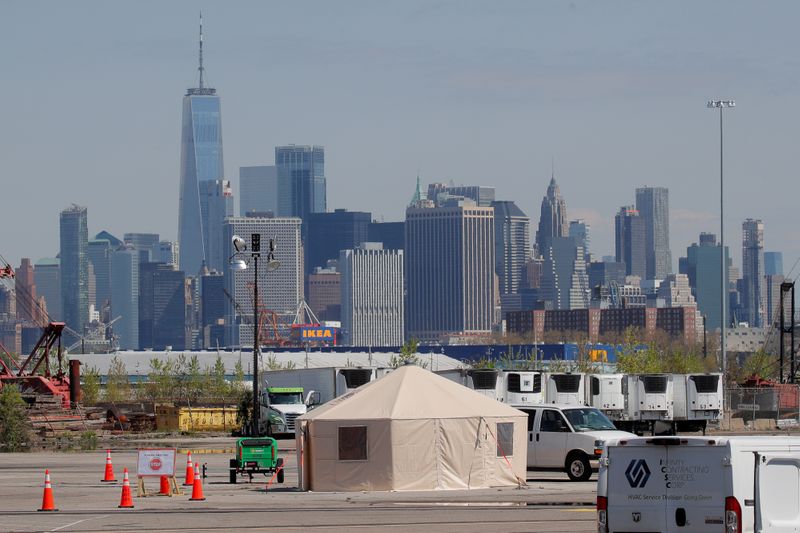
(700, 485)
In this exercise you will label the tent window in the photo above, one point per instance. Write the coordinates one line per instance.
(353, 443)
(505, 439)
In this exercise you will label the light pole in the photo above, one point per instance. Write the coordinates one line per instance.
(722, 104)
(238, 264)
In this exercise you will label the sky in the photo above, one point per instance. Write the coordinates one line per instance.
(612, 95)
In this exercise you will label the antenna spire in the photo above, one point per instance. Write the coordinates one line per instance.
(200, 68)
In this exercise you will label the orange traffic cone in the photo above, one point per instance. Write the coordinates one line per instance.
(189, 481)
(165, 489)
(47, 497)
(109, 469)
(127, 500)
(197, 488)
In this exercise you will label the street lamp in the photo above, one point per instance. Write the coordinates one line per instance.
(239, 264)
(722, 104)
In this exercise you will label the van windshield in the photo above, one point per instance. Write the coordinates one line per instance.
(587, 419)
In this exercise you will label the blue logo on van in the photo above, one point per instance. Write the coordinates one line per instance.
(637, 473)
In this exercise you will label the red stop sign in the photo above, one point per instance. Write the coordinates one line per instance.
(155, 464)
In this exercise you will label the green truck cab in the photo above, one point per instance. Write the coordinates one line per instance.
(256, 455)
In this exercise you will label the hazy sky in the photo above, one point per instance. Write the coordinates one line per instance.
(475, 92)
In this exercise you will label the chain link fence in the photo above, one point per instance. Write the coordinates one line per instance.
(762, 408)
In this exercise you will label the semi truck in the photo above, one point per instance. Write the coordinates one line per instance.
(291, 393)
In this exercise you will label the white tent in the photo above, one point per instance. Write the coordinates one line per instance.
(411, 430)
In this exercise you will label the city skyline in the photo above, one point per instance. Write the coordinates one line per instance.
(586, 143)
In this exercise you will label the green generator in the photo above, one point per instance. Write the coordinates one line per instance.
(256, 455)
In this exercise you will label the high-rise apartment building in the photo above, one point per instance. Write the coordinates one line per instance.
(201, 160)
(372, 296)
(602, 273)
(258, 190)
(676, 292)
(329, 233)
(564, 280)
(217, 196)
(703, 270)
(653, 205)
(280, 290)
(754, 294)
(162, 307)
(301, 180)
(47, 274)
(449, 268)
(125, 296)
(631, 241)
(512, 245)
(74, 263)
(772, 305)
(553, 219)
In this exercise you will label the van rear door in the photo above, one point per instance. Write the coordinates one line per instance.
(778, 492)
(666, 485)
(636, 489)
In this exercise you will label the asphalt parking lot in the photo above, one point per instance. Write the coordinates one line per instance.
(548, 503)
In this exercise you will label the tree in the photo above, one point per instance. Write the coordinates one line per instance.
(118, 388)
(90, 390)
(15, 429)
(408, 355)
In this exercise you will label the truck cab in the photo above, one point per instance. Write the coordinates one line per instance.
(568, 438)
(280, 406)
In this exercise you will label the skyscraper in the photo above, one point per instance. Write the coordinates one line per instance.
(564, 279)
(74, 267)
(631, 248)
(258, 190)
(773, 263)
(217, 195)
(162, 319)
(653, 205)
(553, 219)
(47, 273)
(579, 232)
(301, 180)
(25, 287)
(449, 267)
(754, 294)
(512, 245)
(125, 296)
(372, 295)
(100, 257)
(703, 270)
(280, 291)
(201, 160)
(329, 233)
(147, 244)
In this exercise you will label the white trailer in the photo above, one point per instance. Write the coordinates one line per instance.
(565, 388)
(697, 400)
(522, 387)
(607, 392)
(700, 485)
(487, 381)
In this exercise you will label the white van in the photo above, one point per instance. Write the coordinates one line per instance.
(567, 438)
(700, 485)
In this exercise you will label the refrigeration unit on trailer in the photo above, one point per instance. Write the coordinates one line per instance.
(607, 392)
(329, 382)
(699, 485)
(697, 400)
(649, 402)
(565, 388)
(523, 387)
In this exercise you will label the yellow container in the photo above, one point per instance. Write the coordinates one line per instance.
(170, 418)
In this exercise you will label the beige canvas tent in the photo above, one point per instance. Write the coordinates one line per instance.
(411, 430)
